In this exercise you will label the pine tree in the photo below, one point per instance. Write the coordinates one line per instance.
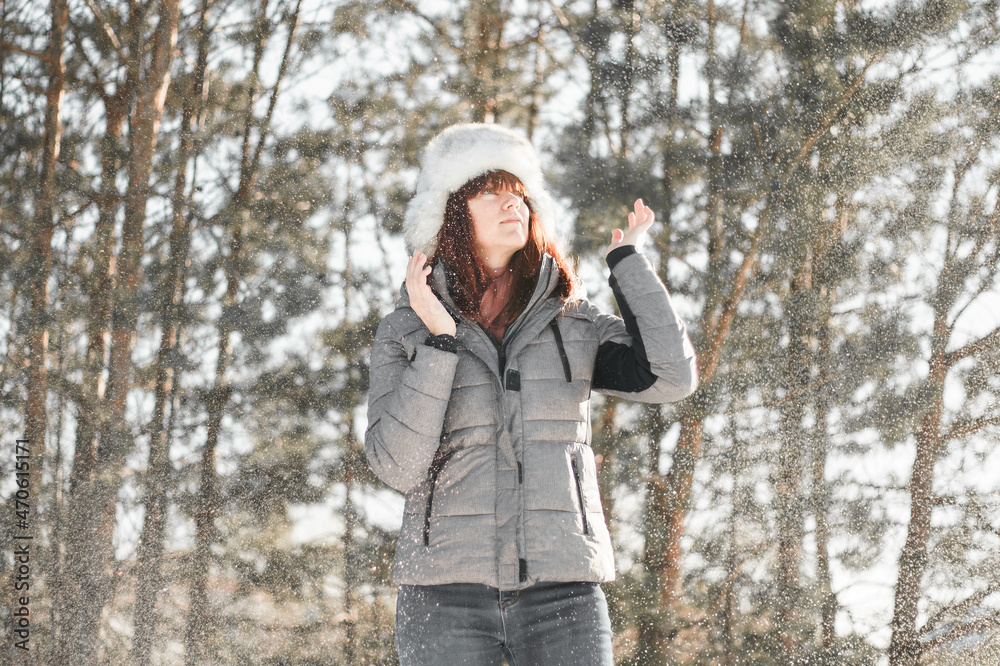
(170, 299)
(90, 558)
(765, 162)
(965, 269)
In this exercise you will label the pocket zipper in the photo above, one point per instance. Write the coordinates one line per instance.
(579, 495)
(436, 466)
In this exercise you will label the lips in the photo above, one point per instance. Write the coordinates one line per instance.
(513, 219)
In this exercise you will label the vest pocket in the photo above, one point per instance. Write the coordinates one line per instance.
(579, 494)
(436, 466)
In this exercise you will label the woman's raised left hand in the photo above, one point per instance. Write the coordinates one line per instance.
(639, 223)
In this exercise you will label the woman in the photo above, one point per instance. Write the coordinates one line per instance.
(479, 411)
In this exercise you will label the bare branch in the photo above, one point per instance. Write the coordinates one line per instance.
(721, 333)
(664, 248)
(100, 84)
(959, 607)
(110, 32)
(828, 120)
(743, 25)
(718, 336)
(441, 32)
(990, 232)
(559, 14)
(30, 87)
(44, 57)
(733, 575)
(989, 342)
(975, 508)
(991, 621)
(969, 426)
(293, 24)
(791, 395)
(246, 175)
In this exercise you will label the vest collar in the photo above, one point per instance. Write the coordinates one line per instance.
(548, 280)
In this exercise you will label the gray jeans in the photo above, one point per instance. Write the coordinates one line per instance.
(548, 624)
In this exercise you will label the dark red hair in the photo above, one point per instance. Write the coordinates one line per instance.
(456, 246)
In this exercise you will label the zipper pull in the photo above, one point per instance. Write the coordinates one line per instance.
(579, 495)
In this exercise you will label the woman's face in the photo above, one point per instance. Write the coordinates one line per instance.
(499, 225)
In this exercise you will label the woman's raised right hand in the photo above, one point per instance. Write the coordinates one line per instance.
(423, 301)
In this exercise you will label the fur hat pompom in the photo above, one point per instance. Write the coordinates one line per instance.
(456, 156)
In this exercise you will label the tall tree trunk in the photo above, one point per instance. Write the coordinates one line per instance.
(54, 546)
(90, 554)
(39, 267)
(588, 126)
(790, 463)
(604, 449)
(352, 565)
(734, 560)
(91, 394)
(199, 613)
(677, 496)
(904, 646)
(199, 617)
(100, 285)
(821, 504)
(536, 83)
(150, 548)
(485, 22)
(666, 216)
(630, 19)
(820, 490)
(730, 653)
(40, 260)
(654, 628)
(99, 288)
(354, 455)
(670, 495)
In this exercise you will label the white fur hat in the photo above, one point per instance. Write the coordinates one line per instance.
(456, 156)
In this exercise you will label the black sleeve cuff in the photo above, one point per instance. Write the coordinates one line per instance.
(622, 368)
(618, 254)
(444, 342)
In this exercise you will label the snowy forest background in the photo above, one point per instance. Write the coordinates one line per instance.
(200, 223)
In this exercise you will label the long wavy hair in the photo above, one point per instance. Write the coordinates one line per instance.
(470, 276)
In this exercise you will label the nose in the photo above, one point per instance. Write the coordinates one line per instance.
(511, 200)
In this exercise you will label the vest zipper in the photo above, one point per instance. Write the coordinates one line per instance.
(436, 466)
(579, 495)
(501, 351)
(562, 350)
